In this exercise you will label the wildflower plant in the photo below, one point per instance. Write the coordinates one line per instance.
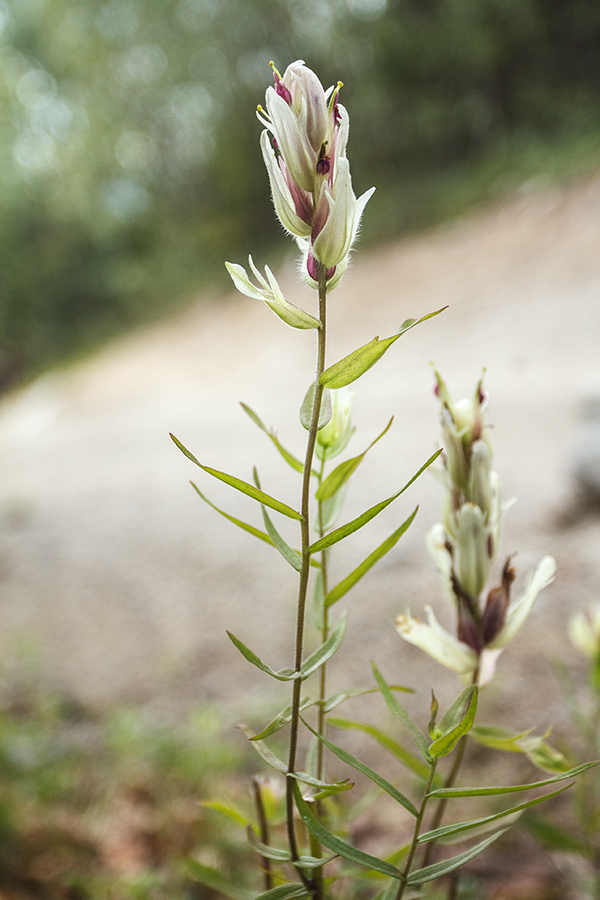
(302, 849)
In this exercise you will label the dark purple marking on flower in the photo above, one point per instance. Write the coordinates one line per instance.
(337, 116)
(323, 162)
(468, 626)
(313, 268)
(498, 600)
(281, 89)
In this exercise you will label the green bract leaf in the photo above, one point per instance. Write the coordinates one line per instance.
(350, 580)
(306, 410)
(359, 361)
(337, 845)
(289, 457)
(365, 517)
(429, 873)
(369, 772)
(326, 650)
(344, 471)
(408, 760)
(395, 708)
(242, 486)
(510, 789)
(281, 675)
(271, 294)
(448, 831)
(243, 525)
(449, 738)
(212, 879)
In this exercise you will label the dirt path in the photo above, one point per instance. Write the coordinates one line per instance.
(119, 582)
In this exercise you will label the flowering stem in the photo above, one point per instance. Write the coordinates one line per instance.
(303, 585)
(264, 832)
(419, 821)
(324, 635)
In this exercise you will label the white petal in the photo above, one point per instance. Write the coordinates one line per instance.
(437, 642)
(240, 278)
(520, 609)
(282, 198)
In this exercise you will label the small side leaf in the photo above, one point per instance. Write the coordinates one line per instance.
(395, 708)
(289, 457)
(337, 845)
(350, 580)
(306, 409)
(429, 873)
(448, 741)
(263, 751)
(408, 760)
(242, 486)
(243, 525)
(281, 675)
(326, 650)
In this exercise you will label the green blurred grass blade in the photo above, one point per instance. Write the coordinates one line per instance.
(210, 878)
(241, 486)
(243, 525)
(370, 773)
(284, 892)
(397, 710)
(281, 675)
(345, 470)
(408, 760)
(460, 827)
(337, 845)
(326, 650)
(429, 873)
(350, 580)
(511, 789)
(350, 527)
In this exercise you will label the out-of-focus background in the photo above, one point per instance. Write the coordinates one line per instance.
(130, 171)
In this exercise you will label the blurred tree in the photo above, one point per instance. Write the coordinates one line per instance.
(129, 161)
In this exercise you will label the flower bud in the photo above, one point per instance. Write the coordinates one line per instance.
(471, 556)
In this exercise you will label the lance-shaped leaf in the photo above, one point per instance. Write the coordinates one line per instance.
(408, 760)
(398, 711)
(370, 773)
(281, 675)
(510, 789)
(359, 361)
(429, 873)
(213, 879)
(350, 580)
(350, 527)
(281, 720)
(450, 733)
(278, 764)
(307, 862)
(245, 526)
(284, 892)
(240, 485)
(306, 409)
(536, 748)
(290, 459)
(452, 831)
(345, 470)
(326, 650)
(271, 294)
(337, 845)
(293, 557)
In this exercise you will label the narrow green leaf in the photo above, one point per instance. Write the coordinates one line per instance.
(281, 675)
(284, 892)
(370, 773)
(226, 809)
(331, 509)
(454, 715)
(243, 525)
(537, 749)
(337, 845)
(281, 720)
(510, 789)
(460, 827)
(242, 486)
(212, 879)
(293, 557)
(290, 459)
(350, 527)
(334, 789)
(326, 650)
(340, 697)
(306, 409)
(408, 760)
(447, 742)
(360, 361)
(263, 751)
(350, 580)
(395, 708)
(429, 873)
(345, 470)
(307, 862)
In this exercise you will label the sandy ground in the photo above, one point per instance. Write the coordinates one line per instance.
(118, 582)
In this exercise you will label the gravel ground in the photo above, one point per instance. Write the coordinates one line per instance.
(119, 583)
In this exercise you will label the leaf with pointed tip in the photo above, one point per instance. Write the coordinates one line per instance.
(281, 720)
(429, 873)
(345, 470)
(285, 892)
(210, 878)
(350, 527)
(360, 361)
(306, 409)
(342, 696)
(293, 557)
(243, 525)
(398, 711)
(281, 675)
(263, 751)
(408, 760)
(510, 789)
(350, 580)
(362, 767)
(537, 750)
(450, 831)
(307, 862)
(337, 845)
(326, 650)
(290, 459)
(448, 741)
(242, 486)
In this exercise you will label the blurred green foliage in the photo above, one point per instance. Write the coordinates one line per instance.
(129, 161)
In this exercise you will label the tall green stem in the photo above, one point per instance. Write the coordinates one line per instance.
(322, 716)
(303, 584)
(417, 831)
